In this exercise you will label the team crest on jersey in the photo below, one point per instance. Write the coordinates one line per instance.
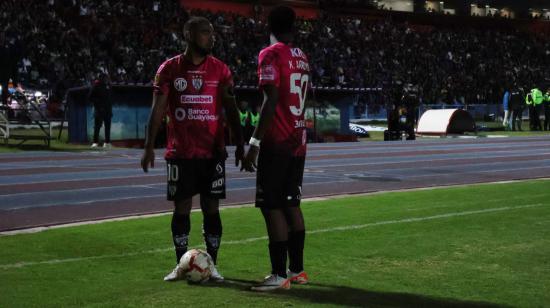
(180, 84)
(197, 82)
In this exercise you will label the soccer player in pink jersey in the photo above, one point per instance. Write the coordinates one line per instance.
(192, 90)
(284, 73)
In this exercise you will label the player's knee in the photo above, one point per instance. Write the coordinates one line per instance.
(209, 205)
(183, 206)
(295, 219)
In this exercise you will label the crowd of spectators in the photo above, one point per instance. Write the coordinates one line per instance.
(65, 43)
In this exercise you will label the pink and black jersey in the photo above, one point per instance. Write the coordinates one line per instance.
(287, 68)
(195, 123)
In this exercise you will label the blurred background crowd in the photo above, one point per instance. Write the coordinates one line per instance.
(58, 44)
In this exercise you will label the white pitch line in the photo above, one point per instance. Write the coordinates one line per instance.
(256, 239)
(450, 159)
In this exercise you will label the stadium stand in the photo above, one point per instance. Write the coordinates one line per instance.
(66, 43)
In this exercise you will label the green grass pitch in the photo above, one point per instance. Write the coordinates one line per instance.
(471, 246)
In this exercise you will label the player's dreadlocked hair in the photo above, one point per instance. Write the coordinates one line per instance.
(281, 20)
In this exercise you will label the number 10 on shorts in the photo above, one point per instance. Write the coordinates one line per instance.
(173, 174)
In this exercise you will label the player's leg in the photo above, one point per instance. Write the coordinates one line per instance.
(181, 226)
(180, 190)
(270, 198)
(296, 241)
(277, 231)
(212, 189)
(211, 225)
(295, 219)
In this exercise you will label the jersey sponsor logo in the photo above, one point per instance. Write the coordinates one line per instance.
(180, 114)
(180, 84)
(217, 183)
(219, 168)
(197, 99)
(267, 72)
(194, 114)
(201, 115)
(197, 82)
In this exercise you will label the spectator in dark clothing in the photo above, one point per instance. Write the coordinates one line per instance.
(100, 97)
(516, 105)
(7, 66)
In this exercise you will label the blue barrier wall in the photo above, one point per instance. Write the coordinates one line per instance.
(131, 107)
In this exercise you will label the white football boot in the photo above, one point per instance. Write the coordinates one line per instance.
(107, 146)
(177, 274)
(94, 145)
(272, 282)
(215, 275)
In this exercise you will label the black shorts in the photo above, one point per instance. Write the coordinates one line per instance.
(188, 177)
(279, 180)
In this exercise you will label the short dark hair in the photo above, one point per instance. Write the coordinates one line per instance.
(281, 20)
(193, 22)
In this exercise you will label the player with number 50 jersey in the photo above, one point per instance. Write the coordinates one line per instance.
(279, 146)
(287, 68)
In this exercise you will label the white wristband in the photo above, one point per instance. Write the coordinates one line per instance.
(255, 142)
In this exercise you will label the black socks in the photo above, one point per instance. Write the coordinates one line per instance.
(212, 232)
(296, 241)
(181, 225)
(277, 254)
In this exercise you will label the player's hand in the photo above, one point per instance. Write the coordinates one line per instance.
(148, 158)
(239, 155)
(249, 162)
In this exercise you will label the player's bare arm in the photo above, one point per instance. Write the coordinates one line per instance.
(158, 110)
(230, 105)
(271, 96)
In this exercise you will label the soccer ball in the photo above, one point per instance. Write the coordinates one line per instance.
(196, 265)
